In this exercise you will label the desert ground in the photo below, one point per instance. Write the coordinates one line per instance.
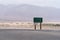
(30, 25)
(25, 31)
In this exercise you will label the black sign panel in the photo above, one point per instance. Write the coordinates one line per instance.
(38, 20)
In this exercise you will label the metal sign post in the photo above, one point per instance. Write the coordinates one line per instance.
(40, 26)
(35, 26)
(38, 20)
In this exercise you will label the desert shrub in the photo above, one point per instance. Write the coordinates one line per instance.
(57, 25)
(17, 23)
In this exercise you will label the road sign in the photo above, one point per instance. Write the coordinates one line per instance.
(38, 20)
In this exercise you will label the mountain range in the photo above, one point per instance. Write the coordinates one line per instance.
(25, 12)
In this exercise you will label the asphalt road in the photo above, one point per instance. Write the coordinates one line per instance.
(20, 34)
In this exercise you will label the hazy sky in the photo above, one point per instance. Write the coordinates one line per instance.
(50, 3)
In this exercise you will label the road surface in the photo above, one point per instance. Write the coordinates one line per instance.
(21, 34)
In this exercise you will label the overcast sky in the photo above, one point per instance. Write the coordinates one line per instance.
(50, 3)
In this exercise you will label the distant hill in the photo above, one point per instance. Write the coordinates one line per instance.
(27, 12)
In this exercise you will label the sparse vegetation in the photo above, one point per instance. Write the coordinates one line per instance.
(27, 25)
